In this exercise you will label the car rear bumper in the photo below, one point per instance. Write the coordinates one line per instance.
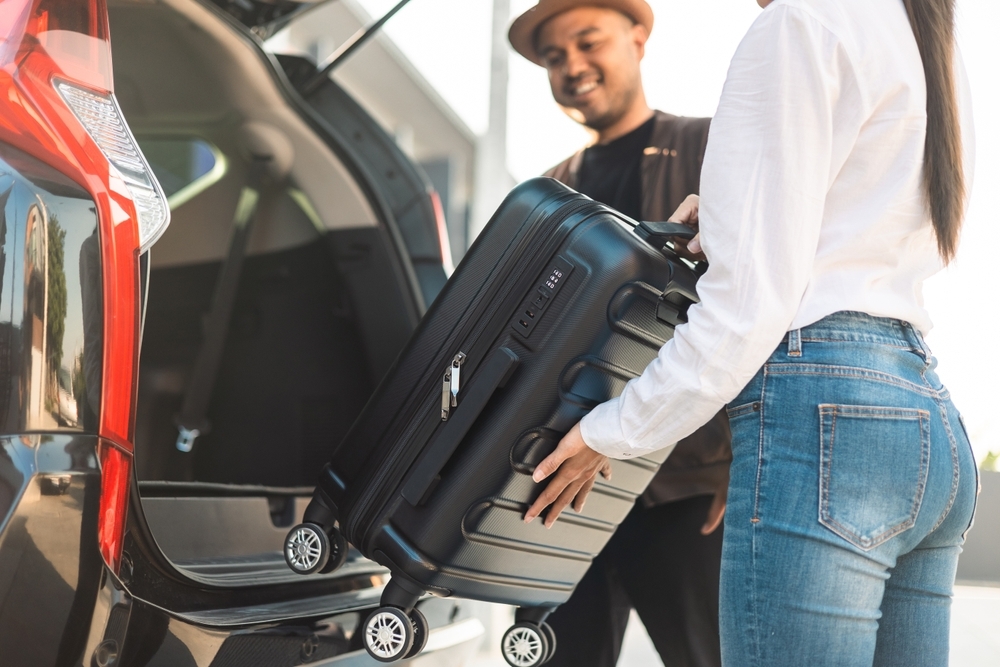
(58, 603)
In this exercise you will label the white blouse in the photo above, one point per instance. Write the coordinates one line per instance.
(811, 203)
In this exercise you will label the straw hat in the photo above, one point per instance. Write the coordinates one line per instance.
(524, 28)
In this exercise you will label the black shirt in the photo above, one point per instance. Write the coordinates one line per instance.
(612, 173)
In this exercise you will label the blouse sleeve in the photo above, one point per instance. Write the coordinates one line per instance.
(767, 170)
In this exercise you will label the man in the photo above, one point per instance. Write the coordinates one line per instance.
(664, 560)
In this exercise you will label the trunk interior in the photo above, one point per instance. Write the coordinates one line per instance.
(321, 310)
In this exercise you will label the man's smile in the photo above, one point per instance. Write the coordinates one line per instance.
(580, 89)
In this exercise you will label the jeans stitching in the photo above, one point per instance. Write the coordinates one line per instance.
(951, 437)
(848, 339)
(826, 459)
(925, 462)
(883, 412)
(760, 452)
(954, 466)
(754, 626)
(851, 371)
(975, 500)
(824, 477)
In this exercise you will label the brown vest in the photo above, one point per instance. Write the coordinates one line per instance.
(671, 170)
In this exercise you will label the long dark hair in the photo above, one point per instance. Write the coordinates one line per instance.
(933, 23)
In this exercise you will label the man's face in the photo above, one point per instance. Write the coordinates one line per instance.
(592, 56)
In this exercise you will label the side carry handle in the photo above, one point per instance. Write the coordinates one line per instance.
(678, 295)
(657, 234)
(492, 375)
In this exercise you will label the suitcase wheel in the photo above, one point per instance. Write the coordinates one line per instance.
(338, 552)
(421, 629)
(550, 634)
(527, 644)
(307, 548)
(389, 633)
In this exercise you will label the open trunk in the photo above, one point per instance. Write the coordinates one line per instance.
(327, 297)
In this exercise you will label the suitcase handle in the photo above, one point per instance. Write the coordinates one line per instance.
(492, 375)
(679, 294)
(657, 234)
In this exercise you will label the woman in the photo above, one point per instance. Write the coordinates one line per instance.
(833, 186)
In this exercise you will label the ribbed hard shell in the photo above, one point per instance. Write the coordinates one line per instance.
(466, 537)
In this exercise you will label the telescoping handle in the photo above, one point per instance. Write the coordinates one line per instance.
(657, 234)
(491, 375)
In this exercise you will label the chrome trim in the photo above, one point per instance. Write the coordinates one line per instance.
(317, 607)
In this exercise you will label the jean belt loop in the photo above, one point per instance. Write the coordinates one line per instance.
(923, 344)
(795, 343)
(917, 341)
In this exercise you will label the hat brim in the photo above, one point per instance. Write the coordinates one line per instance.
(523, 30)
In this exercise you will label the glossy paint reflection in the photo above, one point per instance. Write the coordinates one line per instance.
(50, 569)
(50, 300)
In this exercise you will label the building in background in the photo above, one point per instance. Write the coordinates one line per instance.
(380, 78)
(493, 179)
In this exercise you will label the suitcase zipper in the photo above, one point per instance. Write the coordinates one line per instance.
(452, 383)
(364, 503)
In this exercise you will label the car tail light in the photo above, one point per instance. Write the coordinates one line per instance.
(116, 478)
(442, 229)
(57, 104)
(100, 116)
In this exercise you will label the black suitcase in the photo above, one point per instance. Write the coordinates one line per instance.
(557, 305)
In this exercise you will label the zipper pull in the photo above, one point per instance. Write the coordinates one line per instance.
(451, 386)
(456, 377)
(446, 396)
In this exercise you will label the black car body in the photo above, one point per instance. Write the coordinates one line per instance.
(115, 547)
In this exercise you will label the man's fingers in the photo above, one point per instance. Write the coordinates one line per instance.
(715, 514)
(687, 212)
(718, 508)
(606, 470)
(694, 245)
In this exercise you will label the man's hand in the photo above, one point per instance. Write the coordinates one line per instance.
(578, 466)
(715, 513)
(717, 510)
(687, 214)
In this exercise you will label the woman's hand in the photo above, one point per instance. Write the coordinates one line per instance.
(578, 466)
(687, 214)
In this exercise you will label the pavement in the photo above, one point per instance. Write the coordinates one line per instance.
(975, 634)
(975, 627)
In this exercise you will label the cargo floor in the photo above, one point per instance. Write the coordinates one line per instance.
(230, 535)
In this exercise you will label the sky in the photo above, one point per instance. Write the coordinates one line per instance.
(683, 72)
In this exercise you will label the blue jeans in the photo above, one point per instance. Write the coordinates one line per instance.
(853, 484)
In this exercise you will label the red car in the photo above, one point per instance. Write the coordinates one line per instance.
(164, 409)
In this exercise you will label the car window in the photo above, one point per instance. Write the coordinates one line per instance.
(185, 166)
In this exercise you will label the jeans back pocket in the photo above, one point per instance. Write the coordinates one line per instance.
(873, 470)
